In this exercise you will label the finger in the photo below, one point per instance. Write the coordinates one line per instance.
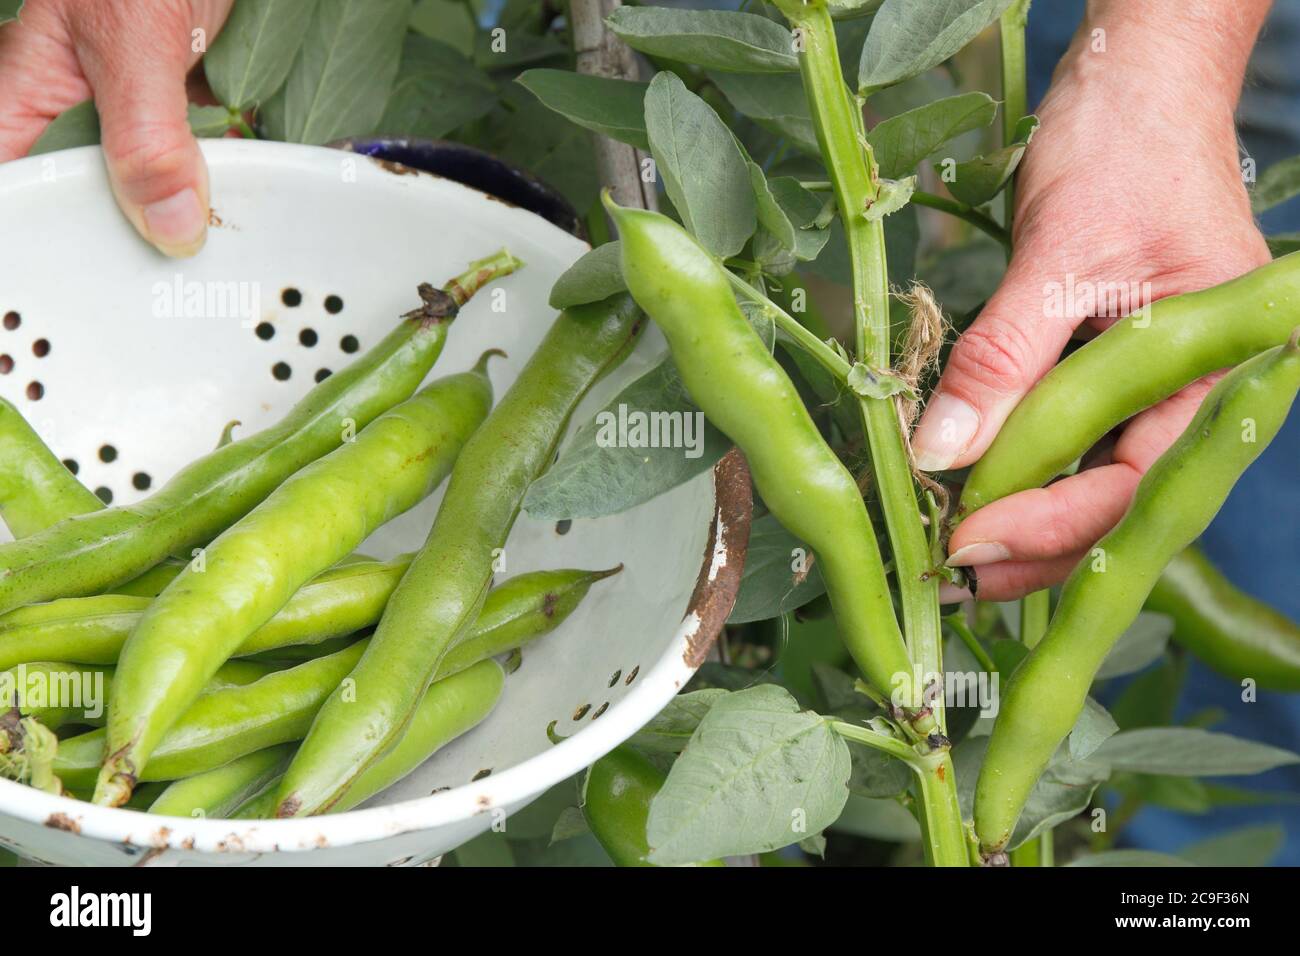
(40, 77)
(1045, 523)
(996, 361)
(1070, 515)
(1014, 579)
(136, 63)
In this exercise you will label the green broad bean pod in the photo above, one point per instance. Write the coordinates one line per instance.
(616, 796)
(1175, 501)
(58, 693)
(1139, 361)
(90, 553)
(279, 707)
(440, 596)
(218, 792)
(36, 489)
(255, 567)
(1233, 633)
(92, 630)
(742, 389)
(449, 708)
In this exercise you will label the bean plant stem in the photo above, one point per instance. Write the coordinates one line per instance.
(838, 121)
(1015, 94)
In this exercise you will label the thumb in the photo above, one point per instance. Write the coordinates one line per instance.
(995, 362)
(136, 67)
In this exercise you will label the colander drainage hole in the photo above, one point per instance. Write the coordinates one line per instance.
(632, 674)
(41, 348)
(281, 371)
(13, 320)
(481, 774)
(308, 337)
(333, 304)
(71, 465)
(291, 297)
(349, 344)
(6, 364)
(141, 481)
(563, 525)
(107, 454)
(265, 331)
(581, 712)
(322, 374)
(600, 710)
(35, 391)
(104, 494)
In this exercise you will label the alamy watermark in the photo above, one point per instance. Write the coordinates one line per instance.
(634, 428)
(208, 299)
(40, 688)
(1083, 298)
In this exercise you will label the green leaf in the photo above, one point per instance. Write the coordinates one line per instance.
(436, 91)
(1137, 858)
(79, 126)
(76, 126)
(908, 38)
(775, 102)
(649, 439)
(595, 276)
(869, 383)
(703, 169)
(210, 121)
(613, 108)
(1091, 730)
(671, 729)
(770, 586)
(892, 196)
(714, 39)
(758, 774)
(877, 774)
(771, 215)
(978, 180)
(886, 820)
(447, 21)
(251, 57)
(571, 822)
(9, 10)
(1248, 846)
(1148, 700)
(902, 141)
(513, 48)
(547, 145)
(1276, 185)
(1141, 644)
(1189, 752)
(341, 78)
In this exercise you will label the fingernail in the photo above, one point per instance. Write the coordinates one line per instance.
(946, 429)
(982, 552)
(177, 225)
(951, 594)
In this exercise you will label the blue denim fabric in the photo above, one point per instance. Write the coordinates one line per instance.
(1255, 540)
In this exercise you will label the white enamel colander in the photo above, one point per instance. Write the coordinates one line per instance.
(130, 364)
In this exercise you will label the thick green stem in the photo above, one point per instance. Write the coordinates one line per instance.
(1015, 93)
(942, 831)
(846, 154)
(837, 118)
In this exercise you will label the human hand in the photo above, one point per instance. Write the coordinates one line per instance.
(1087, 220)
(132, 57)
